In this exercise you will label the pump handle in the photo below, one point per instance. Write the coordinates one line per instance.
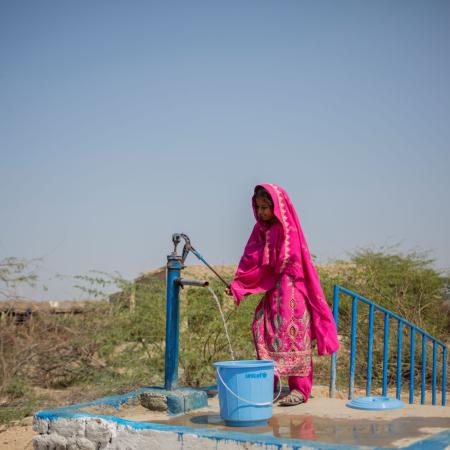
(189, 248)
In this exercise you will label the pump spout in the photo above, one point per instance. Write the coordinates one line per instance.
(183, 282)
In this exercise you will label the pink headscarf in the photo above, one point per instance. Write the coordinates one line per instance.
(274, 250)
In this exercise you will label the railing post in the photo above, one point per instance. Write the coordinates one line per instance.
(433, 387)
(412, 349)
(353, 348)
(385, 353)
(399, 358)
(444, 376)
(334, 355)
(424, 370)
(369, 351)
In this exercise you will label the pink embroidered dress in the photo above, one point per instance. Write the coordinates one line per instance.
(293, 312)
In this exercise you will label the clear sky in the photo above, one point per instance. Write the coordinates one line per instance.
(122, 122)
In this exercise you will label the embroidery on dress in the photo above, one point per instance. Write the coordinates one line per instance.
(285, 226)
(266, 258)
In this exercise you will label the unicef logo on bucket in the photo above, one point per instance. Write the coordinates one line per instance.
(256, 375)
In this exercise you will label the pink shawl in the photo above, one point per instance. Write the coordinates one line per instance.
(282, 249)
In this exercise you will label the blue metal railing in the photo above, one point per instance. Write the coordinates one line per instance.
(401, 323)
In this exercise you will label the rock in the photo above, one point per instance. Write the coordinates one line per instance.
(80, 444)
(49, 442)
(153, 401)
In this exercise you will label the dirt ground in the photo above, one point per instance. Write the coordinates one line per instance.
(17, 437)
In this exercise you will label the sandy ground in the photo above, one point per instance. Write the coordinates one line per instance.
(19, 436)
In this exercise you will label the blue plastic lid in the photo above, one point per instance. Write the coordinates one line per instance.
(375, 403)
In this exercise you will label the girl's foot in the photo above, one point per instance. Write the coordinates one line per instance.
(294, 398)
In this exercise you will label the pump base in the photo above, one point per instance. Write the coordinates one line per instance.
(178, 401)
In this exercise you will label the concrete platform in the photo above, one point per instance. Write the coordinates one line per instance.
(122, 423)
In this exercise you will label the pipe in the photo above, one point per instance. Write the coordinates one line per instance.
(174, 267)
(183, 282)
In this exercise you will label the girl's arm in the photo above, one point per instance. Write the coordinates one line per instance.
(254, 281)
(255, 274)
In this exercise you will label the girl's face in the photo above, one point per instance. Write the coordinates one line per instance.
(263, 210)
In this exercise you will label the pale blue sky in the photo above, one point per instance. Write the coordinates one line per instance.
(122, 122)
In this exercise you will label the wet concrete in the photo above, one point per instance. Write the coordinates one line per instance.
(394, 433)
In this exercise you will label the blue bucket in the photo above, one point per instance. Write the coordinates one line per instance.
(245, 392)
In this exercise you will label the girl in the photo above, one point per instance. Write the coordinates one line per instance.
(293, 312)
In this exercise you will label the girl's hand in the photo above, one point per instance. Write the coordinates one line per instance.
(228, 292)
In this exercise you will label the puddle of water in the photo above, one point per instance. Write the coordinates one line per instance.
(339, 431)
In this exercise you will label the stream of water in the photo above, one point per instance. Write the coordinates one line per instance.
(223, 320)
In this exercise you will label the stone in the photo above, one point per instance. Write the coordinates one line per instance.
(100, 431)
(68, 427)
(129, 439)
(49, 442)
(40, 426)
(80, 443)
(175, 402)
(154, 401)
(41, 442)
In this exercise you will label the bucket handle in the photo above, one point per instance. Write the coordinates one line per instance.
(247, 401)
